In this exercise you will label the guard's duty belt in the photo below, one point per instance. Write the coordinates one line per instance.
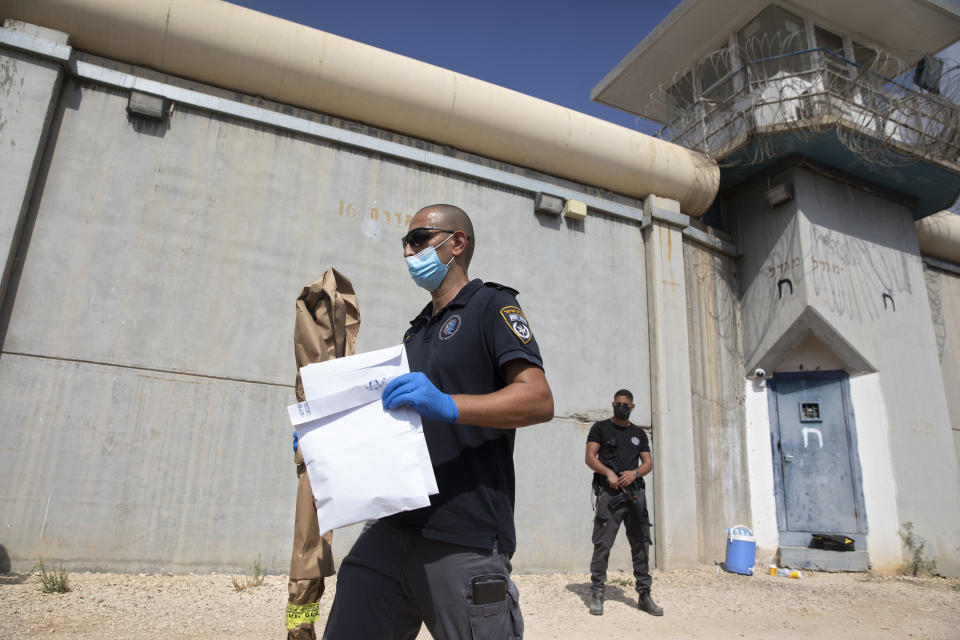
(600, 482)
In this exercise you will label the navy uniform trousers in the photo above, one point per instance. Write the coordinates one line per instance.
(606, 524)
(392, 581)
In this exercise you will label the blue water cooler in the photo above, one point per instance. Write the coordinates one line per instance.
(741, 550)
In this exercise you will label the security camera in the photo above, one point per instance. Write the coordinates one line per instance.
(759, 374)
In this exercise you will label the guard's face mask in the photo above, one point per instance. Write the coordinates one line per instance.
(426, 269)
(621, 411)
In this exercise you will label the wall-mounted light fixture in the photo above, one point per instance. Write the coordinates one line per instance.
(145, 104)
(779, 194)
(546, 203)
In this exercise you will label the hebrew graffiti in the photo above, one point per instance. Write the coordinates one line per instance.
(761, 302)
(855, 277)
(806, 433)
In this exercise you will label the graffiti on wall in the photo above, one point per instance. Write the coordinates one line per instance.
(762, 299)
(842, 275)
(372, 219)
(807, 431)
(853, 277)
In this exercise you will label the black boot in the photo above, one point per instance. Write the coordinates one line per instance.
(596, 604)
(647, 604)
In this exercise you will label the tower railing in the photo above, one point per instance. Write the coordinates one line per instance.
(807, 92)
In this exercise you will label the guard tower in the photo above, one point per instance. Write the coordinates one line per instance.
(836, 129)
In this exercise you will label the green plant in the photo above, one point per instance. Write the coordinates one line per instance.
(255, 579)
(622, 581)
(918, 563)
(55, 580)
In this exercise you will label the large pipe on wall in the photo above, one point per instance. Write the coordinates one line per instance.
(939, 236)
(226, 45)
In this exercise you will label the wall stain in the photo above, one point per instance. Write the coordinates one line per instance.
(8, 69)
(935, 296)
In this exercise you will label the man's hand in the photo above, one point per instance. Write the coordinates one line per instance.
(416, 390)
(626, 479)
(613, 480)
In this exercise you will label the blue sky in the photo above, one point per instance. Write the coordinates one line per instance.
(554, 50)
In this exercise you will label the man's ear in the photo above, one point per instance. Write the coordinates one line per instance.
(459, 242)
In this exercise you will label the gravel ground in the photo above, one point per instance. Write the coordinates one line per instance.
(699, 603)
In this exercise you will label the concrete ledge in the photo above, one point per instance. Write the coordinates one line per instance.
(34, 44)
(664, 215)
(943, 265)
(700, 237)
(820, 560)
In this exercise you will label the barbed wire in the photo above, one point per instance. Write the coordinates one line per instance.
(740, 98)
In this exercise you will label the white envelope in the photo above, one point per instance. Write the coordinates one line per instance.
(363, 462)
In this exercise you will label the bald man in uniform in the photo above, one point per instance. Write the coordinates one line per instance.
(476, 376)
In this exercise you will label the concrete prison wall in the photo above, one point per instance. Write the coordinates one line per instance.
(147, 350)
(716, 382)
(857, 288)
(943, 291)
(226, 45)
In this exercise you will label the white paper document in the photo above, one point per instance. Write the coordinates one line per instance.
(363, 462)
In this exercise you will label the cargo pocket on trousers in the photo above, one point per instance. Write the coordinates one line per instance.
(497, 621)
(599, 526)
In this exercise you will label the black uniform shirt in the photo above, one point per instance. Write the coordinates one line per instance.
(620, 447)
(462, 349)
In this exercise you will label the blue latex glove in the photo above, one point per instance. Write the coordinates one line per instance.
(416, 390)
(296, 442)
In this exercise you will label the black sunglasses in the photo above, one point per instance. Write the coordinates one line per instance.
(418, 236)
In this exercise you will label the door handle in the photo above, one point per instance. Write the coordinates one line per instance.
(787, 458)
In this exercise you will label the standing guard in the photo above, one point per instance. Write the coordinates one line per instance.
(618, 452)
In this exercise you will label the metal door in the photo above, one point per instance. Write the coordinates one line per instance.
(818, 461)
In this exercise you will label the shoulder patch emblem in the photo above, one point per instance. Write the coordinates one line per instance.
(517, 322)
(635, 440)
(450, 327)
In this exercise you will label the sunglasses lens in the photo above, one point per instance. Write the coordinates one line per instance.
(416, 237)
(419, 236)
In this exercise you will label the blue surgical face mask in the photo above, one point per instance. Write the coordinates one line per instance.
(426, 269)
